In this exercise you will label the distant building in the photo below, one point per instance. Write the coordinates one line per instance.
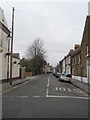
(60, 65)
(16, 66)
(48, 69)
(76, 63)
(64, 65)
(69, 62)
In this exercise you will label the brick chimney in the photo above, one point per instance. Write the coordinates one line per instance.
(71, 50)
(76, 46)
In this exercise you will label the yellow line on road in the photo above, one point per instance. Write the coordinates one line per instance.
(81, 91)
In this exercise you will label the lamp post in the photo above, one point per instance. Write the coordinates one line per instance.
(9, 38)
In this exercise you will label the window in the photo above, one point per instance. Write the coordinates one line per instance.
(75, 60)
(79, 59)
(87, 50)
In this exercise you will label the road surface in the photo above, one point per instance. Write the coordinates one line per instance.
(45, 97)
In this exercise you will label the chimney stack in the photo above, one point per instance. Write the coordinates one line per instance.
(76, 46)
(71, 50)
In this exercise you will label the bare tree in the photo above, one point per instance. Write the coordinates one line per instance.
(36, 49)
(36, 54)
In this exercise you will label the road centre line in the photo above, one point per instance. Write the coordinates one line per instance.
(22, 96)
(7, 96)
(36, 96)
(48, 81)
(47, 87)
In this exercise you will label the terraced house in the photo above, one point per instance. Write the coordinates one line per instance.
(79, 58)
(85, 51)
(76, 63)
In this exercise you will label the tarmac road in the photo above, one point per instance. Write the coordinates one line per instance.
(45, 97)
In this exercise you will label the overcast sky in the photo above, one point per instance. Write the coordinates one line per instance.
(59, 24)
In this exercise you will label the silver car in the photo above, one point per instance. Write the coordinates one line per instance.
(65, 77)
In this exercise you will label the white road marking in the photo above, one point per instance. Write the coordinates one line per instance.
(47, 87)
(56, 88)
(7, 96)
(69, 90)
(22, 96)
(48, 82)
(59, 88)
(52, 96)
(47, 93)
(80, 92)
(62, 89)
(36, 96)
(75, 90)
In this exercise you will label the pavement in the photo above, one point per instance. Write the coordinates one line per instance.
(6, 85)
(81, 85)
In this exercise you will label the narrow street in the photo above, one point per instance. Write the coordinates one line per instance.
(45, 97)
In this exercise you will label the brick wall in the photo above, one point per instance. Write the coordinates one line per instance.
(84, 44)
(76, 67)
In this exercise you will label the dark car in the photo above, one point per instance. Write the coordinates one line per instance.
(54, 74)
(57, 74)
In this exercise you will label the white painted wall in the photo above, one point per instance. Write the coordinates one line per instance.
(89, 74)
(68, 60)
(63, 66)
(15, 68)
(68, 69)
(88, 69)
(2, 17)
(0, 66)
(3, 58)
(84, 79)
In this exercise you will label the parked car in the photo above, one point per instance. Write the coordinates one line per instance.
(65, 77)
(54, 74)
(57, 74)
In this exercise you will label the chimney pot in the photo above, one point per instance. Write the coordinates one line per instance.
(76, 46)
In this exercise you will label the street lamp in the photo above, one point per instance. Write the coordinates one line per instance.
(9, 38)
